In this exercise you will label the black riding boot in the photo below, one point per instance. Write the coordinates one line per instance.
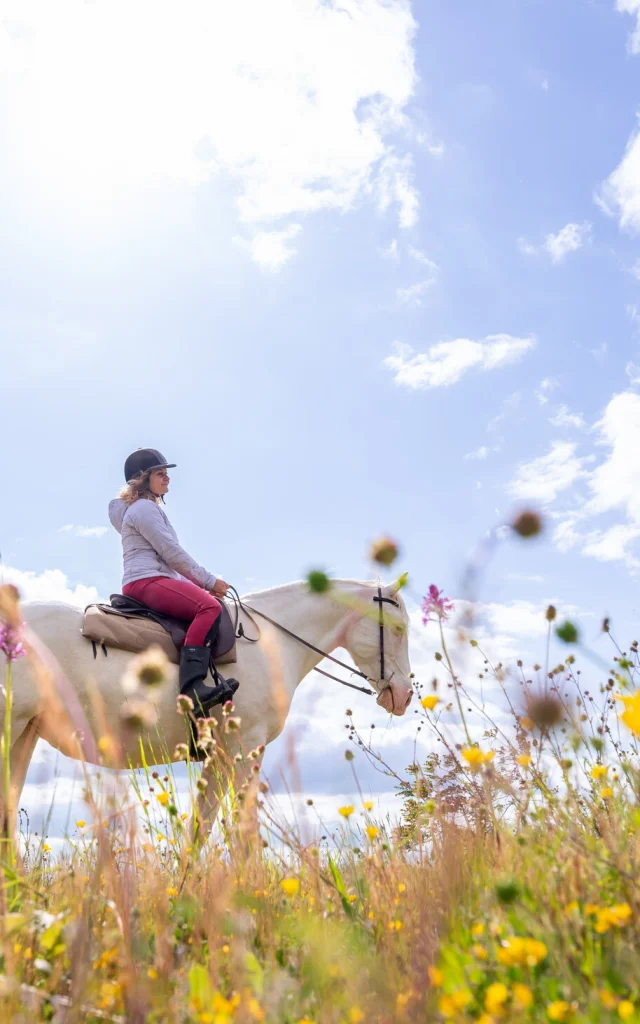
(194, 668)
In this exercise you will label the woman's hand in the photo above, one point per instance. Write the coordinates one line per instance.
(219, 589)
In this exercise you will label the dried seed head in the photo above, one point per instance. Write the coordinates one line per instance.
(550, 613)
(545, 711)
(138, 714)
(384, 551)
(527, 524)
(184, 704)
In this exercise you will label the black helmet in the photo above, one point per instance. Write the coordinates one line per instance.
(143, 459)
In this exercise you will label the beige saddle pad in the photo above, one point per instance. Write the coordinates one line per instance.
(103, 624)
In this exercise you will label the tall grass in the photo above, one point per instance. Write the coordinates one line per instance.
(507, 891)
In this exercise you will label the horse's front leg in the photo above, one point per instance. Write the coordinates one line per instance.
(232, 771)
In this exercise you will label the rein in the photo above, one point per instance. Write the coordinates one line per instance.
(240, 633)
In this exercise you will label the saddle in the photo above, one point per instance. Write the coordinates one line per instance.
(130, 626)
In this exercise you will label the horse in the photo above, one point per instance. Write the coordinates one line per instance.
(349, 615)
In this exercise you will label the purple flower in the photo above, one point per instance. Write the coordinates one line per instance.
(435, 606)
(10, 642)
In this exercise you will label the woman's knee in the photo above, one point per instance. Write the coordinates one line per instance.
(210, 606)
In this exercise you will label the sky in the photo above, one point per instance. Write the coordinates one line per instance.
(357, 268)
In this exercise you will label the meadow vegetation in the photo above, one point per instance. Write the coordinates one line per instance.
(506, 889)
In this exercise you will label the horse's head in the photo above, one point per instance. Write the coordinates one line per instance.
(363, 643)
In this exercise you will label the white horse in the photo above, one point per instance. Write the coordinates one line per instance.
(346, 616)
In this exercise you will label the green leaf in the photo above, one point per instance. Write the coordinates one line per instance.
(255, 973)
(342, 889)
(50, 937)
(200, 987)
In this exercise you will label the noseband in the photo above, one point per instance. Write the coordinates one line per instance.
(380, 599)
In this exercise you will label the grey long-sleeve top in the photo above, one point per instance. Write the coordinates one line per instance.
(150, 545)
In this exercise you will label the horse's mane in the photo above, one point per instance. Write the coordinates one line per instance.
(285, 587)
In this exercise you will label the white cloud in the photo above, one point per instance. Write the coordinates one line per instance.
(391, 252)
(615, 484)
(565, 418)
(300, 104)
(421, 257)
(611, 545)
(270, 249)
(445, 363)
(84, 531)
(545, 477)
(632, 371)
(480, 453)
(526, 248)
(565, 535)
(412, 294)
(570, 238)
(621, 191)
(631, 7)
(50, 585)
(545, 386)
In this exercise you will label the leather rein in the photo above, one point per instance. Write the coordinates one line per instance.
(240, 634)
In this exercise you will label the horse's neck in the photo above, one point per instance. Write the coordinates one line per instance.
(318, 618)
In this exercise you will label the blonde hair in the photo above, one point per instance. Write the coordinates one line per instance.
(138, 488)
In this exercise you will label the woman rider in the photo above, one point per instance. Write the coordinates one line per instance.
(161, 575)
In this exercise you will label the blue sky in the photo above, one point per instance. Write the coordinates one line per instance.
(218, 227)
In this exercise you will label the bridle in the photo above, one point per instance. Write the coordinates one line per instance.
(249, 612)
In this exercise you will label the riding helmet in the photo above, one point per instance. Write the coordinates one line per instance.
(143, 459)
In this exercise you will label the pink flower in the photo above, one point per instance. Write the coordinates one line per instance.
(435, 606)
(10, 643)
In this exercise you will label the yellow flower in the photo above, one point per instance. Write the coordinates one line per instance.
(356, 1015)
(346, 810)
(449, 1005)
(477, 930)
(609, 917)
(496, 996)
(290, 885)
(395, 926)
(436, 976)
(479, 951)
(485, 1018)
(163, 798)
(46, 848)
(591, 909)
(372, 832)
(402, 887)
(570, 907)
(522, 996)
(368, 805)
(172, 891)
(152, 973)
(80, 823)
(559, 1010)
(608, 999)
(255, 1009)
(352, 898)
(625, 1009)
(430, 702)
(524, 760)
(475, 757)
(518, 952)
(599, 771)
(631, 714)
(606, 792)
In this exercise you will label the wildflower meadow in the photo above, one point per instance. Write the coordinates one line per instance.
(504, 888)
